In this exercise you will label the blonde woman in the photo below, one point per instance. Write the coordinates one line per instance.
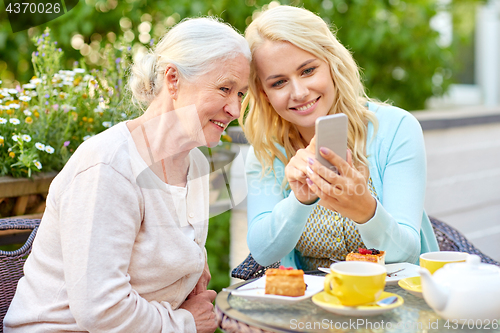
(299, 72)
(121, 246)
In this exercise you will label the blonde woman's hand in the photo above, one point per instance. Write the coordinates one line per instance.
(347, 192)
(296, 174)
(202, 309)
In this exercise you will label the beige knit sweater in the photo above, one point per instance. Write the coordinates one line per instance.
(115, 249)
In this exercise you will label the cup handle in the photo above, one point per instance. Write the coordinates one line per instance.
(328, 284)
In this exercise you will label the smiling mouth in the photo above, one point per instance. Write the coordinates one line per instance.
(307, 106)
(218, 123)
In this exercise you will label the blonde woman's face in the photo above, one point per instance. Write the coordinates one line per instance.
(298, 85)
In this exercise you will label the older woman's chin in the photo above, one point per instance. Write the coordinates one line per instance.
(212, 144)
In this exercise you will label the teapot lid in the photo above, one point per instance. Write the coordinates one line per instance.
(473, 266)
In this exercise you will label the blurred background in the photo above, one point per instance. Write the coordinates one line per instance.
(409, 51)
(441, 56)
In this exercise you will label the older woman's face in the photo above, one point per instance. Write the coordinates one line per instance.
(298, 85)
(217, 96)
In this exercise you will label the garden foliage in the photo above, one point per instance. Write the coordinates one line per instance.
(42, 122)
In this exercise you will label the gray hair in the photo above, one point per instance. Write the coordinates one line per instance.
(193, 46)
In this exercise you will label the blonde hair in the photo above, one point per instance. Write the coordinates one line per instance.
(193, 46)
(263, 126)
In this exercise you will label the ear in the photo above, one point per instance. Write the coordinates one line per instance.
(172, 80)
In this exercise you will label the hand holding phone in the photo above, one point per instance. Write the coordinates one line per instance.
(331, 132)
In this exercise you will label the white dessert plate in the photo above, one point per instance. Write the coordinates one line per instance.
(256, 290)
(332, 304)
(408, 270)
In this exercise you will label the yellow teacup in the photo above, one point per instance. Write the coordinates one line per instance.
(355, 283)
(436, 260)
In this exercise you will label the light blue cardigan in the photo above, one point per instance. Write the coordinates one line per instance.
(400, 226)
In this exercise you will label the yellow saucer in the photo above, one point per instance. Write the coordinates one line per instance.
(412, 285)
(332, 304)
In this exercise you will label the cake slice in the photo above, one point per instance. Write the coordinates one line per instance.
(371, 255)
(285, 282)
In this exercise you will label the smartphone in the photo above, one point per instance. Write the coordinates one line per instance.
(331, 132)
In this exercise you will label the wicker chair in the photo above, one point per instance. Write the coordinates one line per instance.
(12, 262)
(449, 239)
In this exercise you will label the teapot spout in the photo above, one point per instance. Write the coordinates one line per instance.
(435, 295)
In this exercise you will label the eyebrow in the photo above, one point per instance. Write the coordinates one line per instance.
(233, 83)
(305, 63)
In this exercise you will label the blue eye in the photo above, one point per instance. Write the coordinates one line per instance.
(278, 83)
(309, 71)
(240, 95)
(224, 89)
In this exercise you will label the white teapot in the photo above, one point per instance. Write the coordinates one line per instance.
(463, 291)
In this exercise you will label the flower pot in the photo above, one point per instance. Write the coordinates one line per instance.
(20, 196)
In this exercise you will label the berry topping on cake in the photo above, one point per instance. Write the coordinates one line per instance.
(364, 251)
(286, 268)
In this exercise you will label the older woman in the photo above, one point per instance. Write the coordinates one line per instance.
(300, 72)
(121, 244)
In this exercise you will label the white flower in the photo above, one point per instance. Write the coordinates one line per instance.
(26, 137)
(67, 83)
(14, 106)
(29, 86)
(106, 124)
(25, 98)
(49, 149)
(37, 164)
(3, 121)
(0, 81)
(15, 137)
(65, 72)
(36, 81)
(67, 107)
(99, 109)
(27, 113)
(4, 107)
(124, 115)
(87, 77)
(14, 121)
(86, 137)
(77, 70)
(13, 91)
(40, 146)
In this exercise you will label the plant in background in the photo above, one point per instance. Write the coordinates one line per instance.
(44, 121)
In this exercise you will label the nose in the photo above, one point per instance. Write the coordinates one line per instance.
(299, 90)
(232, 108)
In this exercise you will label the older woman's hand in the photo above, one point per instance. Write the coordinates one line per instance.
(202, 309)
(202, 284)
(347, 192)
(296, 174)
